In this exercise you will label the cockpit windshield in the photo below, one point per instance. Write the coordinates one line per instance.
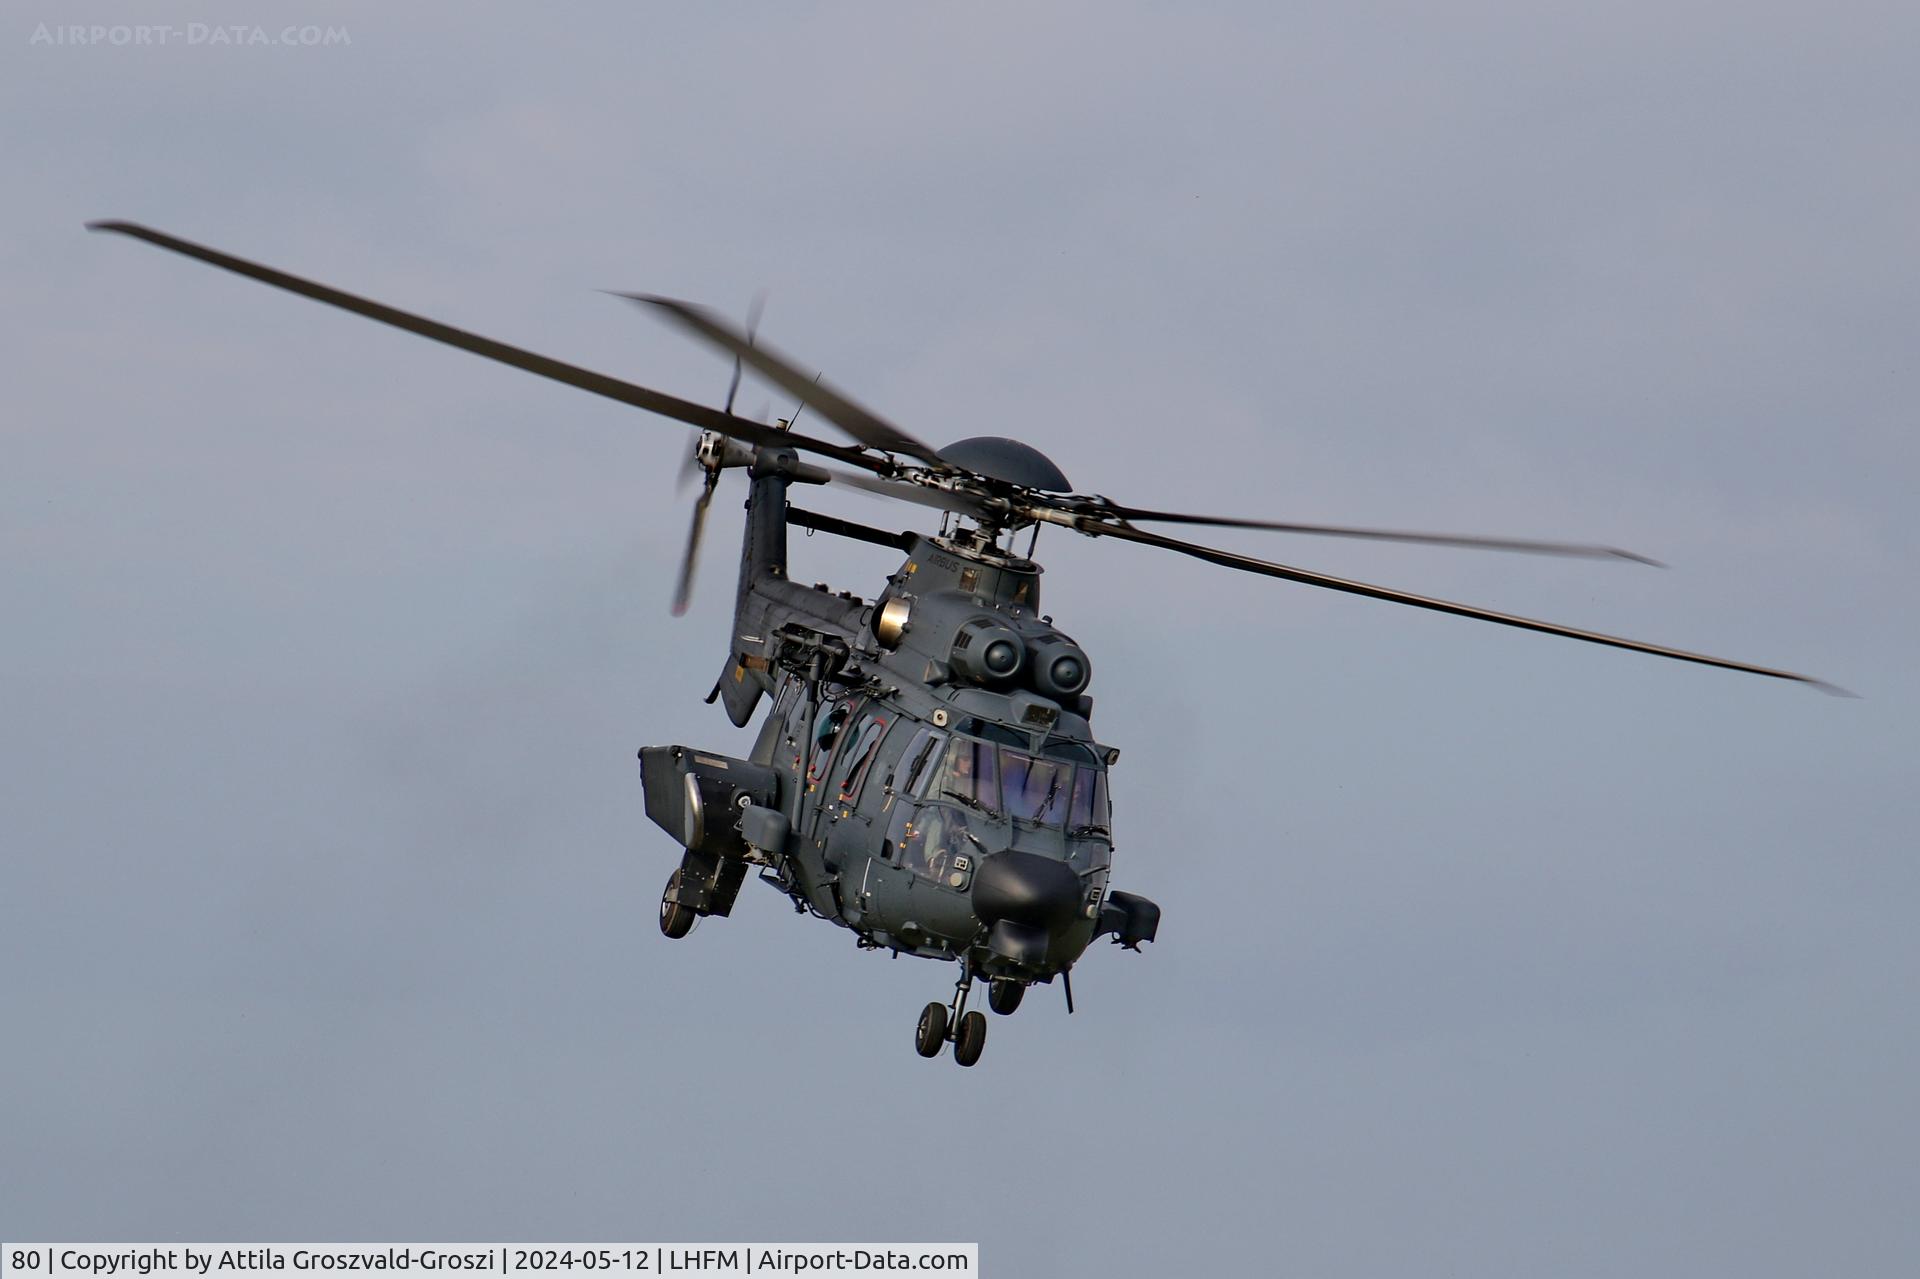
(1063, 787)
(1035, 790)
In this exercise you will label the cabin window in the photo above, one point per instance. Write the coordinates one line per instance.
(860, 755)
(826, 735)
(827, 725)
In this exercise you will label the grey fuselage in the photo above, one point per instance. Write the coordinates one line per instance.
(937, 784)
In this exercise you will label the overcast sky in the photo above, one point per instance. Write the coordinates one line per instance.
(326, 891)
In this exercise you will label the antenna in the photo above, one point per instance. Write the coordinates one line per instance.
(800, 406)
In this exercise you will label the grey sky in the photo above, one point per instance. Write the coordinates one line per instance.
(326, 903)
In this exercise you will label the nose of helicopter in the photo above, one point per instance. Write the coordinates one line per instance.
(1025, 888)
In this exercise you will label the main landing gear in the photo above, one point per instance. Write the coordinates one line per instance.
(676, 919)
(941, 1024)
(705, 884)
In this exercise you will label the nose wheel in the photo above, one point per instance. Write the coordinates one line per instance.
(943, 1024)
(1004, 994)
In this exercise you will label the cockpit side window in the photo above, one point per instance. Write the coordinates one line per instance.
(1090, 813)
(919, 762)
(933, 841)
(971, 775)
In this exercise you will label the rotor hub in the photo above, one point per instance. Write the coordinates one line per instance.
(995, 457)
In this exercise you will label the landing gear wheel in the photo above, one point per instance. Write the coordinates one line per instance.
(676, 920)
(1003, 994)
(931, 1034)
(971, 1039)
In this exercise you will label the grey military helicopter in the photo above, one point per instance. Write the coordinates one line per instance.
(927, 775)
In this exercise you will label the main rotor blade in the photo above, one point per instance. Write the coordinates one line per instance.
(1268, 568)
(861, 423)
(543, 366)
(754, 309)
(1469, 541)
(938, 498)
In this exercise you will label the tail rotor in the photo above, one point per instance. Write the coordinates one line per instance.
(712, 453)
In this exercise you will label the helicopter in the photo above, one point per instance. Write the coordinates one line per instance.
(926, 775)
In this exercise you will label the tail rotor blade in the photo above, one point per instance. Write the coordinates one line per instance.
(683, 590)
(690, 468)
